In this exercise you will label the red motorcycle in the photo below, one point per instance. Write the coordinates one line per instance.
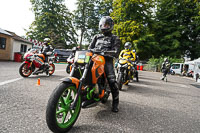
(34, 63)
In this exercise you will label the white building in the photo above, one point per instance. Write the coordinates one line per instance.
(10, 43)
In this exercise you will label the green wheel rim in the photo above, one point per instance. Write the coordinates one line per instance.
(65, 116)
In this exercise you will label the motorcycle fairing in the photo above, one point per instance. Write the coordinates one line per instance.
(38, 62)
(28, 62)
(97, 68)
(122, 61)
(41, 56)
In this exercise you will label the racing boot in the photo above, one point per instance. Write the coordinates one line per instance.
(162, 78)
(115, 97)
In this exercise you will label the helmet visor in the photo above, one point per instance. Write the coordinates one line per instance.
(126, 47)
(103, 24)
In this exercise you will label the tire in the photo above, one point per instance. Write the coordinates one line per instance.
(127, 78)
(51, 69)
(137, 78)
(172, 73)
(23, 70)
(106, 95)
(59, 116)
(119, 81)
(68, 68)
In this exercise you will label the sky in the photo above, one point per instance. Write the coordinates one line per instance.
(16, 15)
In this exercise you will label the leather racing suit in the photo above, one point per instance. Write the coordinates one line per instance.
(131, 56)
(108, 42)
(165, 69)
(127, 54)
(44, 50)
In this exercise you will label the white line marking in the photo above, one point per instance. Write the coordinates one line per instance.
(9, 81)
(13, 80)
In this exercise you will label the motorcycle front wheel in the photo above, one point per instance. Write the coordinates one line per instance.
(68, 68)
(51, 69)
(59, 115)
(24, 70)
(119, 81)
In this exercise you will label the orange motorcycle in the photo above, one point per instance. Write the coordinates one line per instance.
(87, 81)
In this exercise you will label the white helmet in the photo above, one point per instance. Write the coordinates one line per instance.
(165, 59)
(46, 40)
(127, 45)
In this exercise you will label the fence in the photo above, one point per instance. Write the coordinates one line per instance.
(154, 68)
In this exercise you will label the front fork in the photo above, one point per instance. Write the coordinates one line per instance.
(121, 74)
(29, 64)
(82, 80)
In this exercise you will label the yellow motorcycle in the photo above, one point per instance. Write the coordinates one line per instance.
(125, 69)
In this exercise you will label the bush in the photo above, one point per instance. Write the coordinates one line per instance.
(157, 62)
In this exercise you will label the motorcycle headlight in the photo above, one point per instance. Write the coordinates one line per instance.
(119, 65)
(126, 65)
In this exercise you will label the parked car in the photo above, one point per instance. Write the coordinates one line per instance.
(62, 54)
(177, 68)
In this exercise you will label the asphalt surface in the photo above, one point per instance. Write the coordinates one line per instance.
(147, 106)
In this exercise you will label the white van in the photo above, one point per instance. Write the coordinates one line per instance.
(177, 68)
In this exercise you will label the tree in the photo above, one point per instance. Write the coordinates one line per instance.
(177, 27)
(52, 20)
(87, 17)
(133, 20)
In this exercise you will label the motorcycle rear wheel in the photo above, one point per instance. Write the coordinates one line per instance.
(24, 71)
(59, 115)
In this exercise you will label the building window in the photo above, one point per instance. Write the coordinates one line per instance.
(23, 48)
(2, 43)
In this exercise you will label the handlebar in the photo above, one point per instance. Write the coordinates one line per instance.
(103, 52)
(133, 62)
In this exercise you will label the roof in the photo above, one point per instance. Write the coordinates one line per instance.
(4, 32)
(189, 62)
(193, 61)
(18, 38)
(197, 60)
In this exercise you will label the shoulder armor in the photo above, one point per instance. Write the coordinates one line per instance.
(99, 36)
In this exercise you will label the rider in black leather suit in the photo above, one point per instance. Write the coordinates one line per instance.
(108, 42)
(45, 48)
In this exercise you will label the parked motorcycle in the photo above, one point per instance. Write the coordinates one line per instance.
(70, 61)
(33, 60)
(126, 72)
(87, 81)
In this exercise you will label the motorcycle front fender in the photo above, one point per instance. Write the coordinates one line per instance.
(28, 62)
(71, 80)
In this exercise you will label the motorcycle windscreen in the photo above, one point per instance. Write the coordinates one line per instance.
(81, 57)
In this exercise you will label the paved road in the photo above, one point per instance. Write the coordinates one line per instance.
(150, 105)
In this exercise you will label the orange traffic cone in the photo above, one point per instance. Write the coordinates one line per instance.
(38, 82)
